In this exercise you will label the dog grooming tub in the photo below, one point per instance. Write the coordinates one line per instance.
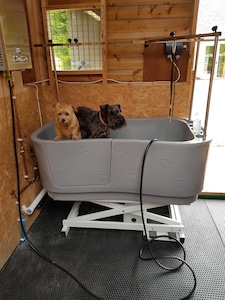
(108, 171)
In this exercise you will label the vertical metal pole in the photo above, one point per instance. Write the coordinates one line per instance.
(194, 76)
(210, 85)
(55, 73)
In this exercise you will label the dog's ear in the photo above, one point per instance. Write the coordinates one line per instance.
(119, 108)
(57, 105)
(74, 108)
(104, 112)
(104, 107)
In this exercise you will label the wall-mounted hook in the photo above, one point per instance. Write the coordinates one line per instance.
(172, 33)
(70, 41)
(76, 42)
(146, 44)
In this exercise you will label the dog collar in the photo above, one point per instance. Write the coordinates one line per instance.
(101, 120)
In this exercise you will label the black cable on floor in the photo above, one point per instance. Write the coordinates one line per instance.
(148, 242)
(36, 250)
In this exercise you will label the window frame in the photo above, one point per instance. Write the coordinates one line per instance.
(77, 75)
(82, 51)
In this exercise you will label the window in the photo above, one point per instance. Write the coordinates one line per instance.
(221, 61)
(208, 59)
(220, 68)
(71, 28)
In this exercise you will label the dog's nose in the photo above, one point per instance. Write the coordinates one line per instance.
(63, 120)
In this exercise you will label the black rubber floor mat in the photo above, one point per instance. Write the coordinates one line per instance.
(107, 261)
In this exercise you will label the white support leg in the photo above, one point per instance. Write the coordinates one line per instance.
(132, 219)
(72, 216)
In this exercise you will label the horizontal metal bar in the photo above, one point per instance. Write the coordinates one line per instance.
(185, 38)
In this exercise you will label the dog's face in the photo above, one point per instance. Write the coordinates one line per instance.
(66, 123)
(111, 114)
(64, 113)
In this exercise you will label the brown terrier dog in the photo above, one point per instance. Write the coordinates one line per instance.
(66, 123)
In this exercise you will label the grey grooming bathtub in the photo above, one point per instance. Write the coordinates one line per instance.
(109, 170)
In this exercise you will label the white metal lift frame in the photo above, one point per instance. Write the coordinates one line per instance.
(155, 224)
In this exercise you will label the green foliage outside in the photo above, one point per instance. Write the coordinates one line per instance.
(60, 34)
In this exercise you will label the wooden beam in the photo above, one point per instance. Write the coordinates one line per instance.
(47, 49)
(35, 27)
(150, 12)
(71, 4)
(120, 3)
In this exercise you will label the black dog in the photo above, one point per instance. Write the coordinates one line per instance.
(97, 124)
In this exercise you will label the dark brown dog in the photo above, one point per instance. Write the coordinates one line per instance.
(97, 124)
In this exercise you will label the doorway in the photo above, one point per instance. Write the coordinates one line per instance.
(210, 15)
(214, 177)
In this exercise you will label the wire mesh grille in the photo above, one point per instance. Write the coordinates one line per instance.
(77, 34)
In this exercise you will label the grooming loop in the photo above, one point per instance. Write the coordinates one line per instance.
(156, 224)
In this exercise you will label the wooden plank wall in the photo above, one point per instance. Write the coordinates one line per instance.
(27, 120)
(127, 23)
(136, 21)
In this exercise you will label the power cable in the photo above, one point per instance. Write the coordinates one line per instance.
(152, 257)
